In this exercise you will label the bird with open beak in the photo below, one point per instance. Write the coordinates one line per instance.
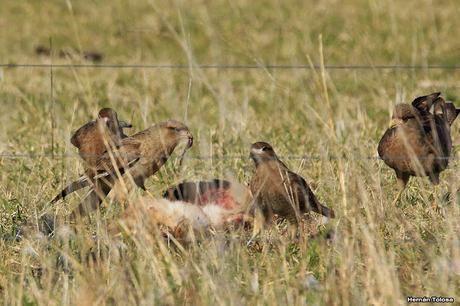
(418, 140)
(277, 190)
(92, 140)
(136, 158)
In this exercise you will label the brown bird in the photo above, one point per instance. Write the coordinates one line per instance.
(136, 158)
(277, 190)
(418, 142)
(92, 140)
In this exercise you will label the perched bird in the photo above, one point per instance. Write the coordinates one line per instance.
(136, 158)
(277, 190)
(92, 140)
(418, 141)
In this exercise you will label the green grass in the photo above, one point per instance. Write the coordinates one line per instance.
(380, 253)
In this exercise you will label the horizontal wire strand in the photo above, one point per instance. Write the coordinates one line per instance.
(219, 66)
(231, 66)
(225, 157)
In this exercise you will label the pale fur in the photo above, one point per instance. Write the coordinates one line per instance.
(174, 213)
(179, 215)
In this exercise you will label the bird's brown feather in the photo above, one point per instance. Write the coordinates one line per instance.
(421, 144)
(136, 158)
(277, 190)
(92, 140)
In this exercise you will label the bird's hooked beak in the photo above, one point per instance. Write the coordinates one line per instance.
(186, 134)
(253, 153)
(124, 124)
(395, 122)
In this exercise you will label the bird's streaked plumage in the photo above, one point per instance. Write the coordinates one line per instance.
(277, 190)
(136, 158)
(418, 142)
(92, 140)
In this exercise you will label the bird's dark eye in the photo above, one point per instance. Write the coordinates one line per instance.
(264, 148)
(175, 129)
(405, 118)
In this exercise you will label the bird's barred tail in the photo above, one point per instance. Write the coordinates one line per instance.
(82, 182)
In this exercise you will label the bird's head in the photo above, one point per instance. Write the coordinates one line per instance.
(402, 114)
(262, 151)
(110, 117)
(175, 131)
(108, 114)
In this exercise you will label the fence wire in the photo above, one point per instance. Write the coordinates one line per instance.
(234, 66)
(225, 67)
(313, 157)
(200, 157)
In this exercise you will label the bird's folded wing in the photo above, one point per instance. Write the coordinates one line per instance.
(304, 193)
(123, 157)
(440, 108)
(300, 186)
(81, 134)
(423, 104)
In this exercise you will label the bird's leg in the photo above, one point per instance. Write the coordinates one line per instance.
(92, 200)
(259, 222)
(300, 230)
(295, 226)
(88, 204)
(434, 202)
(302, 236)
(434, 178)
(402, 178)
(293, 230)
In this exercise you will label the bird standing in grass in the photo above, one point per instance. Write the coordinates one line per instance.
(136, 158)
(418, 141)
(92, 140)
(277, 190)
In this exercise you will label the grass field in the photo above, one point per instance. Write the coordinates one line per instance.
(332, 118)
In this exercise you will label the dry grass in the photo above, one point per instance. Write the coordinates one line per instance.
(379, 255)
